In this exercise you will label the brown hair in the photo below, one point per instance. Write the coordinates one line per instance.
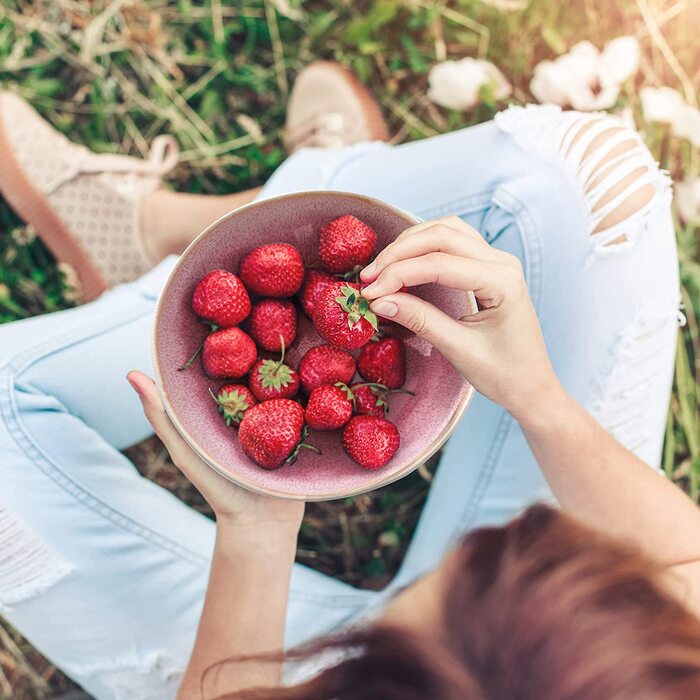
(541, 609)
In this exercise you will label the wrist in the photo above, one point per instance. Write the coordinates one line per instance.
(273, 537)
(541, 404)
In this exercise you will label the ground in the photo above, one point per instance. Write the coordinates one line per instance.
(216, 75)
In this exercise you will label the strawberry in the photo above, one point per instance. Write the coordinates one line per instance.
(272, 379)
(342, 316)
(233, 401)
(370, 399)
(346, 243)
(228, 354)
(272, 323)
(314, 283)
(221, 298)
(329, 408)
(325, 364)
(272, 432)
(273, 270)
(370, 441)
(383, 362)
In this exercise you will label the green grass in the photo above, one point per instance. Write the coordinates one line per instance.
(216, 75)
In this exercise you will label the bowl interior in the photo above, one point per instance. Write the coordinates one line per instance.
(424, 421)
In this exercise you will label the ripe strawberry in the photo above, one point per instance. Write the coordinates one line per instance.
(233, 401)
(370, 400)
(314, 283)
(383, 362)
(228, 354)
(272, 379)
(329, 408)
(370, 441)
(345, 244)
(325, 364)
(221, 298)
(272, 432)
(273, 270)
(272, 323)
(343, 318)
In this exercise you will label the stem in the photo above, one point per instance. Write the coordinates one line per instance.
(189, 362)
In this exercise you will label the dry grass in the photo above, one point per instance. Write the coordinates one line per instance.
(114, 74)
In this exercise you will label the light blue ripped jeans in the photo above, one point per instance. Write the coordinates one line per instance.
(105, 572)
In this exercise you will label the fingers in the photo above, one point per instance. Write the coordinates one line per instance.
(423, 319)
(448, 235)
(153, 408)
(483, 278)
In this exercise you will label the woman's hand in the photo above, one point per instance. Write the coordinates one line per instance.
(500, 349)
(260, 516)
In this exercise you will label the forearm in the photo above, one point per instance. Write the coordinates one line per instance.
(603, 484)
(244, 612)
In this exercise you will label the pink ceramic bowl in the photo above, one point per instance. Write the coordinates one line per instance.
(424, 421)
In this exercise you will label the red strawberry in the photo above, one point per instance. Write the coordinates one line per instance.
(345, 244)
(325, 364)
(314, 283)
(228, 354)
(272, 323)
(370, 400)
(233, 401)
(370, 441)
(383, 362)
(273, 270)
(272, 379)
(272, 432)
(329, 408)
(342, 316)
(221, 298)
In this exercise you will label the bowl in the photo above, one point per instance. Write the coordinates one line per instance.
(424, 421)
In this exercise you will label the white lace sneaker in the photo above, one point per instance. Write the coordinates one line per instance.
(86, 207)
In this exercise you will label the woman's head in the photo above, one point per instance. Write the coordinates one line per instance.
(541, 609)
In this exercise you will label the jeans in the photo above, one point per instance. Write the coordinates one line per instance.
(105, 572)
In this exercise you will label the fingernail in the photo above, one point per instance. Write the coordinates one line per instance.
(369, 270)
(385, 308)
(367, 291)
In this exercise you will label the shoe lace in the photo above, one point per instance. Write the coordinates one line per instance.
(323, 131)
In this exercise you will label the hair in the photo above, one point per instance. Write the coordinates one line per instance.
(540, 609)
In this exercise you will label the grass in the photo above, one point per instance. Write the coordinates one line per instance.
(112, 75)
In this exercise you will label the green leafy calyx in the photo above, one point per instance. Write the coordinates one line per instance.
(356, 307)
(231, 404)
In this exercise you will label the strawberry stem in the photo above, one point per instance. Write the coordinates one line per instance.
(189, 362)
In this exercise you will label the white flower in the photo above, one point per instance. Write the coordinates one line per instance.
(585, 78)
(619, 60)
(661, 104)
(667, 106)
(687, 196)
(458, 84)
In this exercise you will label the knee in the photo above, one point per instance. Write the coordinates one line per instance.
(607, 162)
(620, 180)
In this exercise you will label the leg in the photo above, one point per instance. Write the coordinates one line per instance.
(580, 201)
(102, 570)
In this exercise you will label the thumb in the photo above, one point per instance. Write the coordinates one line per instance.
(153, 408)
(421, 317)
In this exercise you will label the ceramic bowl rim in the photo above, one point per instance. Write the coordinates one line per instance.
(372, 483)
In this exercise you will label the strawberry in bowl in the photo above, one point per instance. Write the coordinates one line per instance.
(293, 355)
